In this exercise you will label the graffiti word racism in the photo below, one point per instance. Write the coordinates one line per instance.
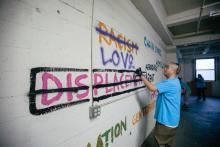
(120, 41)
(143, 112)
(159, 64)
(55, 88)
(151, 67)
(109, 83)
(111, 134)
(117, 58)
(152, 46)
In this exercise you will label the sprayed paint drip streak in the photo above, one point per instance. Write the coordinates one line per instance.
(116, 94)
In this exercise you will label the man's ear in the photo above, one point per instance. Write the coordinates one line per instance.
(178, 69)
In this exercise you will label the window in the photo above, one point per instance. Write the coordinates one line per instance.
(206, 67)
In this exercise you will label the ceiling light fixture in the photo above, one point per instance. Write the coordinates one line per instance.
(206, 50)
(214, 13)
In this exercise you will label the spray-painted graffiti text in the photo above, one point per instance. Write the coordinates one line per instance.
(149, 44)
(115, 49)
(55, 88)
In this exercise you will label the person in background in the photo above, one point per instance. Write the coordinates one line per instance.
(167, 111)
(186, 91)
(200, 86)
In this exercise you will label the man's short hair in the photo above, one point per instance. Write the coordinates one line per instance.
(178, 67)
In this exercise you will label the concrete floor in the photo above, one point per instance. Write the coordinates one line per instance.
(199, 126)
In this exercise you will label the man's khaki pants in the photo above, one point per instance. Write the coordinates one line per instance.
(164, 135)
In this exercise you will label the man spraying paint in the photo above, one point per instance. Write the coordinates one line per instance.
(167, 113)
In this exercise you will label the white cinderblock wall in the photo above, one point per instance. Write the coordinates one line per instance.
(53, 51)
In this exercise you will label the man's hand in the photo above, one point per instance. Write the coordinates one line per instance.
(148, 84)
(138, 72)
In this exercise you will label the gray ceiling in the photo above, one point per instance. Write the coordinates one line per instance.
(177, 6)
(207, 25)
(185, 25)
(197, 50)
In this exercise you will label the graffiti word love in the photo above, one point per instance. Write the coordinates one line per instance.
(117, 58)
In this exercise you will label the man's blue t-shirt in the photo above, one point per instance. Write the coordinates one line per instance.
(168, 102)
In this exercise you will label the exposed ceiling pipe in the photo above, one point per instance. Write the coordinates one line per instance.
(212, 4)
(178, 54)
(200, 14)
(192, 34)
(206, 50)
